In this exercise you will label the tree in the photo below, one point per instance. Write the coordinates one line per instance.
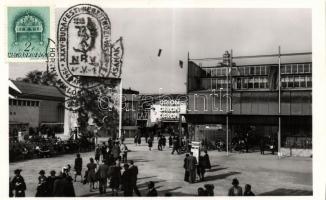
(38, 77)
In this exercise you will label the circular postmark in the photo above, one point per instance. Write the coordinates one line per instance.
(83, 57)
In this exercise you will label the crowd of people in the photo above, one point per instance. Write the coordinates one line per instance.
(40, 146)
(114, 172)
(110, 169)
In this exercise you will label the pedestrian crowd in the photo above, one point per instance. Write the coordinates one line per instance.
(114, 172)
(40, 146)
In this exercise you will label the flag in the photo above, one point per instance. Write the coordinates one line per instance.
(159, 52)
(181, 63)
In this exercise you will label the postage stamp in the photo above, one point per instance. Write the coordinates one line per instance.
(27, 32)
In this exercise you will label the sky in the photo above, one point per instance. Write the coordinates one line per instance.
(203, 32)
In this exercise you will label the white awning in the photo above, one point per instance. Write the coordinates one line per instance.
(13, 86)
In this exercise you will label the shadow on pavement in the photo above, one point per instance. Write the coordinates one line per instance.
(146, 177)
(140, 160)
(217, 169)
(287, 192)
(220, 176)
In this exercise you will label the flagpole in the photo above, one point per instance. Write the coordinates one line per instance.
(120, 109)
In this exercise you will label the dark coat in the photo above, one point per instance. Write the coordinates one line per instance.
(191, 163)
(115, 175)
(63, 187)
(204, 162)
(50, 184)
(152, 193)
(19, 186)
(42, 189)
(127, 180)
(78, 165)
(103, 171)
(134, 173)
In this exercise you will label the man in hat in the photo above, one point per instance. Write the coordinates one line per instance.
(42, 185)
(134, 173)
(50, 182)
(18, 184)
(126, 181)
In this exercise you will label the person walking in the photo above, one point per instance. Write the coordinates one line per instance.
(191, 167)
(139, 140)
(97, 153)
(103, 171)
(115, 177)
(63, 186)
(116, 151)
(203, 164)
(126, 181)
(91, 176)
(41, 190)
(175, 145)
(136, 140)
(151, 190)
(163, 141)
(235, 190)
(159, 143)
(150, 143)
(78, 167)
(18, 184)
(124, 152)
(50, 183)
(170, 141)
(185, 166)
(134, 176)
(262, 145)
(248, 191)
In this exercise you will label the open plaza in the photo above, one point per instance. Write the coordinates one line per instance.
(267, 174)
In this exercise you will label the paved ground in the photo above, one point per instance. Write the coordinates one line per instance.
(267, 174)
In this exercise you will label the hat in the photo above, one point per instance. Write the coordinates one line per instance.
(17, 171)
(235, 181)
(151, 184)
(42, 172)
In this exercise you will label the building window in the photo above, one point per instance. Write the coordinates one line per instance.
(19, 102)
(28, 103)
(23, 103)
(32, 103)
(37, 103)
(309, 81)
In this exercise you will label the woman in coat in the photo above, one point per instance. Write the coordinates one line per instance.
(115, 177)
(91, 175)
(203, 164)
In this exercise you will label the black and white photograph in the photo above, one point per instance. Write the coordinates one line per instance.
(159, 101)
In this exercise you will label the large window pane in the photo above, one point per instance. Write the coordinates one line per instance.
(302, 82)
(252, 70)
(290, 83)
(309, 81)
(296, 82)
(300, 68)
(288, 69)
(258, 70)
(245, 83)
(263, 70)
(282, 69)
(294, 69)
(238, 83)
(306, 68)
(256, 82)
